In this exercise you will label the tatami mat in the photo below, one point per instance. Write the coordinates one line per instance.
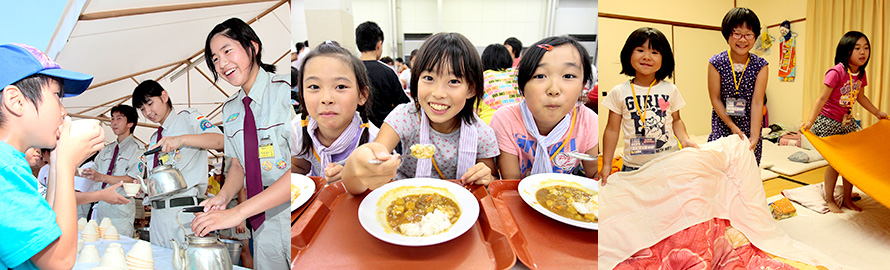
(775, 186)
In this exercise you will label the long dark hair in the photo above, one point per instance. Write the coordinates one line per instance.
(362, 80)
(456, 51)
(845, 49)
(237, 30)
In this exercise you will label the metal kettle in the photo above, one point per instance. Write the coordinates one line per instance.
(164, 179)
(200, 253)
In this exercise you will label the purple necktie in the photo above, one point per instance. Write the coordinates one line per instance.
(158, 163)
(252, 174)
(113, 160)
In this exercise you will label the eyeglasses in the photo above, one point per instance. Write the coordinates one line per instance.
(748, 36)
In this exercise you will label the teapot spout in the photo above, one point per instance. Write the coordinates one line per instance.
(144, 185)
(178, 258)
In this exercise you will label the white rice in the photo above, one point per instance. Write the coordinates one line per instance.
(431, 224)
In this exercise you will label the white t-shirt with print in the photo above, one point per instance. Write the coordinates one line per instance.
(659, 105)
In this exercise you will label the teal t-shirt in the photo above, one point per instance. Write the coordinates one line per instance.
(27, 223)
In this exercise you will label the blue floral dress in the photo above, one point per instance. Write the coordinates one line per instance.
(748, 77)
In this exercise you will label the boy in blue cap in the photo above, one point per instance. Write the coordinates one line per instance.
(34, 233)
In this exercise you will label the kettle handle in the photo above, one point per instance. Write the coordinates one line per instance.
(184, 232)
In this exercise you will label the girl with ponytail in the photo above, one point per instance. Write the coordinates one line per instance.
(334, 90)
(257, 138)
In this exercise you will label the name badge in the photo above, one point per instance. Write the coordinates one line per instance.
(642, 146)
(735, 106)
(164, 158)
(847, 119)
(266, 151)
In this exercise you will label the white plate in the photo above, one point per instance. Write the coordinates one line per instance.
(469, 208)
(306, 186)
(530, 185)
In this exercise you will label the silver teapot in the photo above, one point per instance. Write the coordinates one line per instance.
(200, 253)
(164, 179)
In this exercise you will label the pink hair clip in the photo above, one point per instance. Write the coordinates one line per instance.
(547, 47)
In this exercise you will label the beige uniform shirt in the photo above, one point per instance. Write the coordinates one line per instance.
(191, 161)
(272, 110)
(129, 164)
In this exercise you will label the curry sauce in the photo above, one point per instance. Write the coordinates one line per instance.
(412, 208)
(559, 199)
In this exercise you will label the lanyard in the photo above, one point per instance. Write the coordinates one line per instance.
(852, 92)
(572, 126)
(432, 158)
(738, 81)
(642, 112)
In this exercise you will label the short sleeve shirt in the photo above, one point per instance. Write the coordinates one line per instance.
(128, 162)
(405, 120)
(838, 103)
(386, 90)
(658, 105)
(501, 89)
(191, 161)
(272, 111)
(406, 75)
(514, 138)
(27, 223)
(317, 167)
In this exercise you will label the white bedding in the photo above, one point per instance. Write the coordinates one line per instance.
(857, 239)
(778, 157)
(767, 175)
(685, 188)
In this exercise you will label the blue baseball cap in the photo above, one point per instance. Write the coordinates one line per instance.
(18, 61)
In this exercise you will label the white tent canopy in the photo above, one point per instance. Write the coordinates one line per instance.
(123, 43)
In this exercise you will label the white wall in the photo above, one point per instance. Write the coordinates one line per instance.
(576, 17)
(482, 22)
(298, 26)
(693, 47)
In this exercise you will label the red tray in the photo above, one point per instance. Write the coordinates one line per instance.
(539, 241)
(319, 184)
(329, 236)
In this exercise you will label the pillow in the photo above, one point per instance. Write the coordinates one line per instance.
(806, 156)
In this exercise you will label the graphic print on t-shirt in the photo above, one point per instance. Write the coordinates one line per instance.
(846, 99)
(655, 107)
(561, 163)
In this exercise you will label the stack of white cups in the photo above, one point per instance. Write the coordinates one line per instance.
(89, 254)
(106, 222)
(111, 234)
(114, 257)
(140, 256)
(90, 233)
(81, 223)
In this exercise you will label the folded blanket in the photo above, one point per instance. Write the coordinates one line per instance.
(810, 196)
(861, 157)
(682, 189)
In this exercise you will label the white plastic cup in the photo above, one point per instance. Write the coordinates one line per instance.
(83, 126)
(89, 254)
(131, 189)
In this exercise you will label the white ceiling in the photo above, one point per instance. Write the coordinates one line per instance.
(131, 43)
